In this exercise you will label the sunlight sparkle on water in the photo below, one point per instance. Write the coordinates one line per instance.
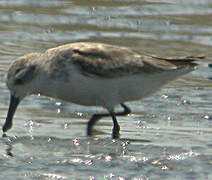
(91, 178)
(31, 125)
(54, 176)
(142, 124)
(182, 156)
(66, 125)
(206, 116)
(185, 102)
(108, 158)
(76, 142)
(76, 160)
(133, 159)
(58, 103)
(58, 110)
(164, 96)
(79, 114)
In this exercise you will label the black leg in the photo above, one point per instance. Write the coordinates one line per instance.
(125, 112)
(116, 127)
(93, 121)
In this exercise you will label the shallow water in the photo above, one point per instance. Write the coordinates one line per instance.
(168, 135)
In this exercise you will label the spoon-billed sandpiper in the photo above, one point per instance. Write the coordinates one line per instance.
(92, 74)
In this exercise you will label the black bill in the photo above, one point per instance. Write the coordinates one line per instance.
(14, 101)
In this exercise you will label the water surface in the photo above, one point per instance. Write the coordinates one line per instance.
(168, 135)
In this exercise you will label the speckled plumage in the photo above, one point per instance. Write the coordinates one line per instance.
(108, 60)
(92, 74)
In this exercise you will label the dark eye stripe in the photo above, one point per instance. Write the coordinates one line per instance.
(18, 70)
(19, 82)
(24, 75)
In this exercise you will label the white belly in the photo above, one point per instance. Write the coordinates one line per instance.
(108, 92)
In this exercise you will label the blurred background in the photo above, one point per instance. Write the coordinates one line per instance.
(168, 135)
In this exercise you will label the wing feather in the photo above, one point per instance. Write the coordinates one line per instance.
(102, 60)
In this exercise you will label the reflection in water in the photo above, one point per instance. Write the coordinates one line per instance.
(72, 146)
(9, 150)
(75, 145)
(94, 153)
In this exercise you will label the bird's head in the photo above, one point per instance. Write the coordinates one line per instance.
(20, 83)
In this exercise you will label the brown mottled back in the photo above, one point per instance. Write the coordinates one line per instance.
(102, 60)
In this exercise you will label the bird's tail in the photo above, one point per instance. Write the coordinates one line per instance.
(179, 61)
(171, 63)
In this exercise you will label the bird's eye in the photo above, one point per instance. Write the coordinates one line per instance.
(17, 71)
(23, 75)
(18, 76)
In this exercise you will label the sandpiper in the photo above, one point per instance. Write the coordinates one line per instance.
(92, 74)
